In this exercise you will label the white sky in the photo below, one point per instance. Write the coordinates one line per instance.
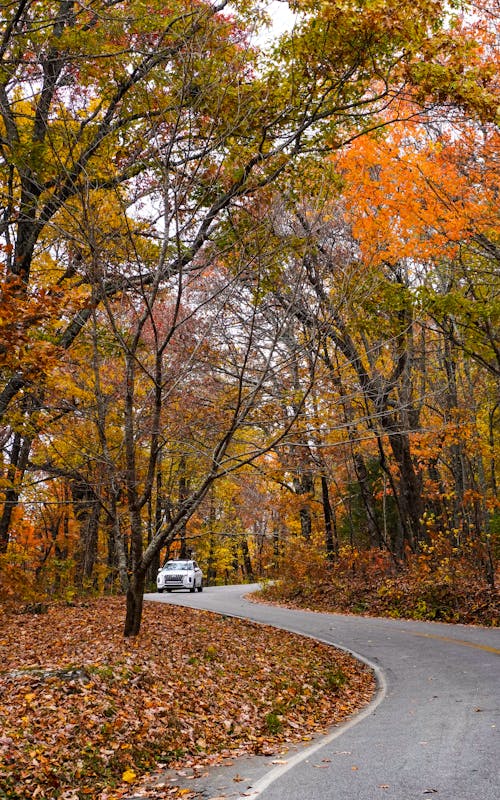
(282, 17)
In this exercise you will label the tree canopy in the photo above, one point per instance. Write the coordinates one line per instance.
(249, 292)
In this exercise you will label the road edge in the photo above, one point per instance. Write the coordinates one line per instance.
(380, 693)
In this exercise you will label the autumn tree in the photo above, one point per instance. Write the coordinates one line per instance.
(406, 234)
(446, 229)
(86, 108)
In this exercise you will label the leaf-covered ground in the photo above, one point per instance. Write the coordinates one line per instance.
(457, 598)
(85, 713)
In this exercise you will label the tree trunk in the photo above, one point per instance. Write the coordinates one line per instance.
(158, 518)
(375, 534)
(87, 512)
(135, 600)
(247, 561)
(111, 563)
(211, 567)
(303, 484)
(410, 502)
(491, 439)
(331, 540)
(456, 450)
(18, 461)
(276, 541)
(117, 551)
(183, 493)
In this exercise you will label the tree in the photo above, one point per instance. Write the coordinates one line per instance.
(92, 99)
(405, 235)
(445, 228)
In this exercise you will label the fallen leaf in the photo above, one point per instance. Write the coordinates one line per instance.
(113, 737)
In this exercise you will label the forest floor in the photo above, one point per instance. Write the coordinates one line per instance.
(86, 713)
(460, 597)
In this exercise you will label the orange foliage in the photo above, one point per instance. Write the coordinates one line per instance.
(409, 195)
(39, 561)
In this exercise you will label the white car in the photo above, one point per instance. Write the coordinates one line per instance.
(179, 575)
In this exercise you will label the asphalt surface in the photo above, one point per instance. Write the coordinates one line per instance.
(433, 729)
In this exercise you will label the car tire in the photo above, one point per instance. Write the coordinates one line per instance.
(200, 587)
(192, 589)
(160, 590)
(169, 590)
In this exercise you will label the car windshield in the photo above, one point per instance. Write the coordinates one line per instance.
(178, 565)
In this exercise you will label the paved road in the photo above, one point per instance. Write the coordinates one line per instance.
(432, 731)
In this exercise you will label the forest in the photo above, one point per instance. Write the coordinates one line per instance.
(249, 301)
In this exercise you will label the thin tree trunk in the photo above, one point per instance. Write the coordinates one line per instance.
(247, 561)
(374, 532)
(87, 512)
(331, 539)
(303, 485)
(491, 439)
(377, 539)
(211, 563)
(409, 489)
(119, 545)
(158, 518)
(183, 493)
(15, 472)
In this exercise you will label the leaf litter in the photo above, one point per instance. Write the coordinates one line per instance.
(86, 713)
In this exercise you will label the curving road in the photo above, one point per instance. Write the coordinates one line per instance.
(433, 729)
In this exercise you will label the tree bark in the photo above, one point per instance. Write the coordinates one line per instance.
(303, 484)
(247, 561)
(183, 493)
(87, 512)
(135, 602)
(331, 540)
(18, 462)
